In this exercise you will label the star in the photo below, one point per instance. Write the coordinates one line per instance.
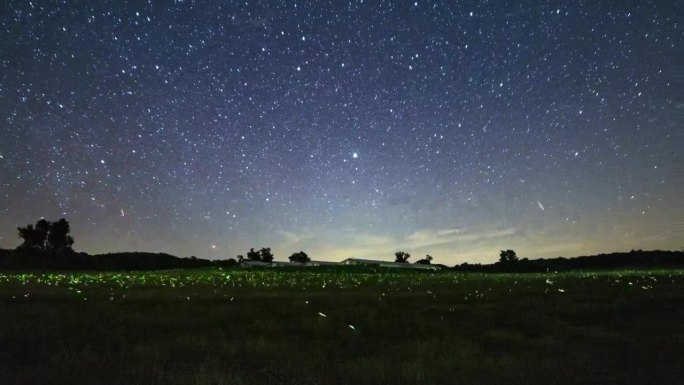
(263, 112)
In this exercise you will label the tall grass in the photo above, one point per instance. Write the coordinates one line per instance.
(265, 327)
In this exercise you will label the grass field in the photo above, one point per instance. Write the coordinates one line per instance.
(341, 327)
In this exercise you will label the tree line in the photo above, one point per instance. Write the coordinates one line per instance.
(50, 245)
(403, 257)
(265, 255)
(509, 262)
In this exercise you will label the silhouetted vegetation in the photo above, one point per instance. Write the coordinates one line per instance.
(299, 257)
(34, 238)
(46, 237)
(425, 261)
(263, 255)
(634, 259)
(230, 262)
(381, 327)
(401, 257)
(266, 255)
(48, 245)
(25, 259)
(10, 259)
(508, 256)
(253, 255)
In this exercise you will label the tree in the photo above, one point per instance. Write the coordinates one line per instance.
(226, 262)
(263, 255)
(401, 257)
(58, 238)
(299, 257)
(266, 255)
(508, 256)
(31, 237)
(52, 237)
(253, 255)
(240, 258)
(425, 261)
(42, 229)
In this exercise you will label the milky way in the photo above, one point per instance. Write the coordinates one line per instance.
(342, 129)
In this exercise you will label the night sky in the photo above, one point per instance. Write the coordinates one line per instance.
(343, 129)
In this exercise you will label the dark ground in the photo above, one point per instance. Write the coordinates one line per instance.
(267, 327)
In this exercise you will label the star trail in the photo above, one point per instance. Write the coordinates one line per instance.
(342, 128)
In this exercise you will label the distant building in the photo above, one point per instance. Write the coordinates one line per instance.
(247, 263)
(312, 263)
(400, 265)
(263, 264)
(348, 261)
(320, 263)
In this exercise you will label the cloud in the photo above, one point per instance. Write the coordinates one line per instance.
(329, 245)
(374, 240)
(293, 238)
(426, 238)
(446, 232)
(420, 236)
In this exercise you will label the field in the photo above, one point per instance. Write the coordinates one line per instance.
(341, 327)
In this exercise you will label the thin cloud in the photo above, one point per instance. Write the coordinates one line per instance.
(370, 245)
(442, 233)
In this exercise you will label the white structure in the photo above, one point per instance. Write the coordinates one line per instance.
(319, 263)
(348, 261)
(247, 263)
(400, 265)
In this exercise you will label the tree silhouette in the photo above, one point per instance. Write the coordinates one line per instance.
(425, 261)
(508, 256)
(263, 255)
(401, 257)
(240, 258)
(52, 237)
(253, 255)
(32, 238)
(299, 257)
(58, 238)
(42, 230)
(266, 255)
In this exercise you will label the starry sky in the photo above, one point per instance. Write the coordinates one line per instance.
(343, 129)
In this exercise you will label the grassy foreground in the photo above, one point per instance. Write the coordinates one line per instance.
(341, 327)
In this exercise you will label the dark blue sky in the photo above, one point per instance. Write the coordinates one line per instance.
(342, 129)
